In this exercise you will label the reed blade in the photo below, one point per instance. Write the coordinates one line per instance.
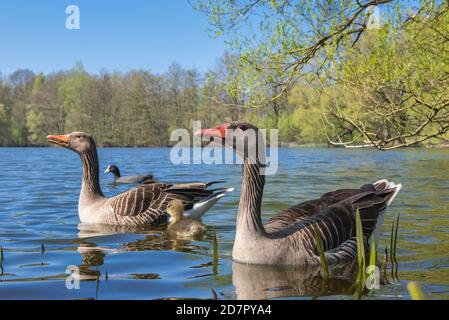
(395, 249)
(372, 258)
(392, 250)
(360, 242)
(320, 248)
(97, 284)
(415, 291)
(371, 271)
(214, 294)
(361, 276)
(385, 265)
(215, 254)
(1, 260)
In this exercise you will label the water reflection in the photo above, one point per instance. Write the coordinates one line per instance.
(256, 282)
(93, 255)
(86, 230)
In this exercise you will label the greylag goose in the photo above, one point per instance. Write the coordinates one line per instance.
(288, 237)
(118, 179)
(142, 205)
(181, 226)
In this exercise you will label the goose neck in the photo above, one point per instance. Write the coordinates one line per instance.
(91, 179)
(249, 216)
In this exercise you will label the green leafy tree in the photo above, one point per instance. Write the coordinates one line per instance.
(392, 88)
(34, 123)
(381, 65)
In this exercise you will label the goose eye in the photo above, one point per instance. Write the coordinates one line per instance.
(242, 127)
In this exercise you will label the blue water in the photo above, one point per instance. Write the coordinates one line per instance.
(41, 236)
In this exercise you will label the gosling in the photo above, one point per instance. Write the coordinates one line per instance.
(183, 227)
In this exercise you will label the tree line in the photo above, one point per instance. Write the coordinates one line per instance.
(332, 73)
(136, 108)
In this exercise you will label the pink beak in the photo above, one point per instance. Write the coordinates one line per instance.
(218, 131)
(60, 140)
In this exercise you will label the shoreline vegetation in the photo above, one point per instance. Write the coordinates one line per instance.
(327, 77)
(281, 145)
(139, 109)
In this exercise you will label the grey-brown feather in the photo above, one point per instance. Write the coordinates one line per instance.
(147, 204)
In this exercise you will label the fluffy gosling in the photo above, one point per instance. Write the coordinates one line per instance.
(183, 227)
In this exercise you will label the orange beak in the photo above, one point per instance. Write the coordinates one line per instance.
(62, 140)
(218, 132)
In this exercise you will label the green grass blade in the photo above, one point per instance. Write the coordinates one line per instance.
(97, 285)
(360, 242)
(415, 291)
(215, 254)
(320, 248)
(214, 294)
(395, 247)
(384, 265)
(361, 276)
(392, 249)
(1, 260)
(372, 257)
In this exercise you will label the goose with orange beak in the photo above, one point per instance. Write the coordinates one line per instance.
(62, 140)
(288, 238)
(215, 133)
(145, 204)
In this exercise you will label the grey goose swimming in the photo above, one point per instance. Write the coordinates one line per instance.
(137, 179)
(145, 204)
(288, 237)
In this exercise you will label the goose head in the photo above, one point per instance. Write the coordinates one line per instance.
(79, 142)
(244, 138)
(113, 169)
(175, 209)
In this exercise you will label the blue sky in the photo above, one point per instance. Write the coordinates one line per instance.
(115, 35)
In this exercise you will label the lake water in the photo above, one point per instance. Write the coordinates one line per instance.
(41, 236)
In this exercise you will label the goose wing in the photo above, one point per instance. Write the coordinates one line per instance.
(336, 224)
(149, 202)
(344, 253)
(303, 211)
